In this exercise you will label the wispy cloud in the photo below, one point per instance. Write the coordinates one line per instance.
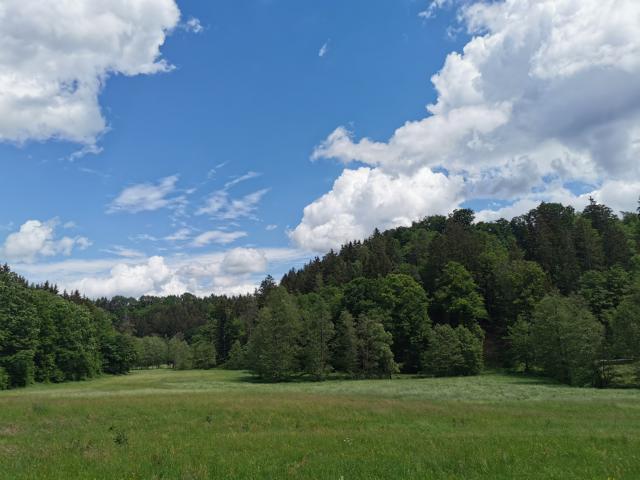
(148, 197)
(125, 252)
(242, 178)
(217, 236)
(222, 207)
(324, 49)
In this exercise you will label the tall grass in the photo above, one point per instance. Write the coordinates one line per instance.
(163, 424)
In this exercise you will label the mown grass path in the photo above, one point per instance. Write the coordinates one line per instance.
(162, 424)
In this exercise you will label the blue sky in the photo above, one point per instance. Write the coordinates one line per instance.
(199, 176)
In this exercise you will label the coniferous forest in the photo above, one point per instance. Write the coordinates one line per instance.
(554, 292)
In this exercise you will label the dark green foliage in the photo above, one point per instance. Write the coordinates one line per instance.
(521, 346)
(273, 346)
(453, 351)
(603, 290)
(625, 327)
(375, 358)
(405, 305)
(345, 345)
(457, 300)
(318, 330)
(4, 379)
(237, 357)
(486, 281)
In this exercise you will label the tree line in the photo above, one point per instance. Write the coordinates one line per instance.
(554, 292)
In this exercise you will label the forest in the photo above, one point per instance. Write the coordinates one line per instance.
(554, 292)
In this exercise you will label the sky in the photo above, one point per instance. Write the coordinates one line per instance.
(169, 146)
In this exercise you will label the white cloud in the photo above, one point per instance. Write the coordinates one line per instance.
(433, 8)
(179, 235)
(242, 178)
(220, 205)
(232, 272)
(125, 252)
(37, 239)
(217, 236)
(244, 260)
(193, 25)
(271, 228)
(147, 197)
(366, 198)
(55, 57)
(324, 49)
(545, 93)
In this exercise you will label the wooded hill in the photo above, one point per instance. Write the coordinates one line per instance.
(554, 291)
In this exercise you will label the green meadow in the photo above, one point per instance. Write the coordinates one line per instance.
(164, 424)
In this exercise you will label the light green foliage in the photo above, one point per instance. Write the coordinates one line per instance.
(179, 354)
(201, 425)
(568, 340)
(453, 352)
(151, 352)
(203, 354)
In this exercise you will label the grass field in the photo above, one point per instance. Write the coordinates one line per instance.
(163, 424)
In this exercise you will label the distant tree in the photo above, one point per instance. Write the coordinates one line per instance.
(203, 354)
(567, 340)
(273, 346)
(151, 351)
(453, 351)
(344, 345)
(317, 332)
(406, 308)
(603, 290)
(180, 356)
(457, 298)
(375, 358)
(520, 341)
(625, 326)
(237, 357)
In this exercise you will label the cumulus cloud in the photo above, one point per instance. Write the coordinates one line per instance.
(55, 57)
(244, 260)
(37, 239)
(217, 236)
(147, 197)
(366, 198)
(233, 272)
(544, 94)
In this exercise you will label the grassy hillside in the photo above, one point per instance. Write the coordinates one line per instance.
(218, 424)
